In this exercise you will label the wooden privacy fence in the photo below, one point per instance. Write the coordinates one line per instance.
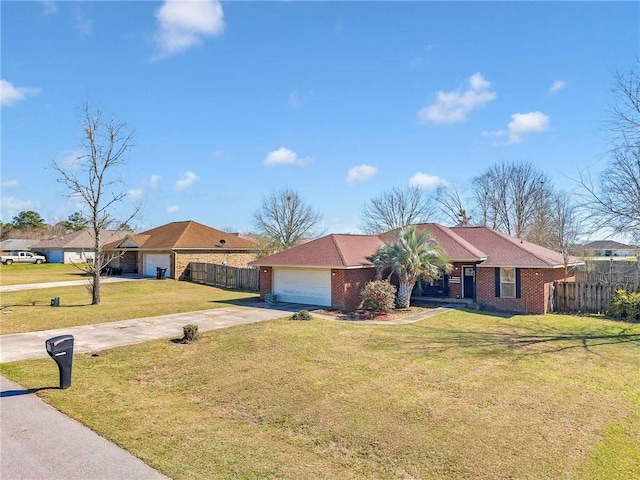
(226, 277)
(586, 297)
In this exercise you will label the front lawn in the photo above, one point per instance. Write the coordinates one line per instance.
(17, 273)
(31, 310)
(462, 395)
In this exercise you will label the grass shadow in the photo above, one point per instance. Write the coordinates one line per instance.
(497, 343)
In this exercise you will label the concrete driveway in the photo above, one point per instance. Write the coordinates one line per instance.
(93, 338)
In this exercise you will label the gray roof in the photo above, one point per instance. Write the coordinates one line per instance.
(81, 239)
(17, 244)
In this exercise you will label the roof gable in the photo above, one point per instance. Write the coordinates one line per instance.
(185, 235)
(506, 251)
(456, 248)
(335, 250)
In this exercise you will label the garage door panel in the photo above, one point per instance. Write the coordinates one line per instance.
(154, 260)
(312, 287)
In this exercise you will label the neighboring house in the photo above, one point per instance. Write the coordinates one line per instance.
(174, 245)
(77, 247)
(16, 244)
(491, 269)
(608, 249)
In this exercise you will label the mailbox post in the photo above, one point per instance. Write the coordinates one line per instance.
(60, 348)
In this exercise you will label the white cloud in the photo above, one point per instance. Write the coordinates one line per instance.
(184, 24)
(70, 159)
(173, 209)
(10, 94)
(154, 180)
(295, 100)
(135, 194)
(452, 107)
(12, 205)
(496, 133)
(557, 86)
(427, 182)
(84, 25)
(186, 180)
(49, 7)
(10, 184)
(522, 124)
(361, 173)
(284, 156)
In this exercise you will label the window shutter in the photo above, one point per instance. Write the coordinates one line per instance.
(518, 290)
(497, 270)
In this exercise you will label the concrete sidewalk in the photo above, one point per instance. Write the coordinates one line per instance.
(37, 442)
(93, 338)
(66, 283)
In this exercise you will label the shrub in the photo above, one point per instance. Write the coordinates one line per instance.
(190, 333)
(378, 296)
(301, 315)
(624, 306)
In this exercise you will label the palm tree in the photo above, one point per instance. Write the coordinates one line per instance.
(411, 255)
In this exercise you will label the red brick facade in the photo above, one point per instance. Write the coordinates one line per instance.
(534, 290)
(266, 281)
(346, 286)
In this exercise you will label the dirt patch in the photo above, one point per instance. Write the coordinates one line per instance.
(361, 315)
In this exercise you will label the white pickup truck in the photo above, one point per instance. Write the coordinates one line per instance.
(22, 257)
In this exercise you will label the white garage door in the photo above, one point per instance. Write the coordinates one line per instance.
(154, 260)
(312, 287)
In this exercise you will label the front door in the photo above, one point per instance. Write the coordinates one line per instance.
(468, 281)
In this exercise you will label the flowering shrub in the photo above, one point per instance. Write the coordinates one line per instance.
(378, 296)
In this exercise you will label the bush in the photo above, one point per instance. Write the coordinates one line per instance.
(378, 296)
(301, 315)
(190, 333)
(624, 306)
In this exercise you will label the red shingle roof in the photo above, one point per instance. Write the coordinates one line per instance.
(456, 248)
(335, 251)
(186, 235)
(505, 251)
(461, 244)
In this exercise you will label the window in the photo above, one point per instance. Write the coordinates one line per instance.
(508, 282)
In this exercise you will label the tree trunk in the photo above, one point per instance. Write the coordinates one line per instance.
(97, 267)
(95, 286)
(404, 293)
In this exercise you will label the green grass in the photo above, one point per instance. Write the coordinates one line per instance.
(30, 310)
(462, 395)
(47, 272)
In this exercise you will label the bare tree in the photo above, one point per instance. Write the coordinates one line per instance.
(286, 220)
(452, 207)
(510, 196)
(565, 227)
(613, 200)
(396, 208)
(93, 178)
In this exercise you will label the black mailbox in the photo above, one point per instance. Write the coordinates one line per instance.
(60, 348)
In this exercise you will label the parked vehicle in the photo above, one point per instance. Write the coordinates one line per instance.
(22, 257)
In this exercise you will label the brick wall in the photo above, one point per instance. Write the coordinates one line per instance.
(346, 286)
(266, 281)
(534, 290)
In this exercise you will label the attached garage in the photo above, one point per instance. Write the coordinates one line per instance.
(307, 286)
(154, 260)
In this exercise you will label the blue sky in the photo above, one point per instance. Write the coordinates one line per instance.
(340, 101)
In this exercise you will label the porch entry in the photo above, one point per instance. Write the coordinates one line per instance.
(468, 281)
